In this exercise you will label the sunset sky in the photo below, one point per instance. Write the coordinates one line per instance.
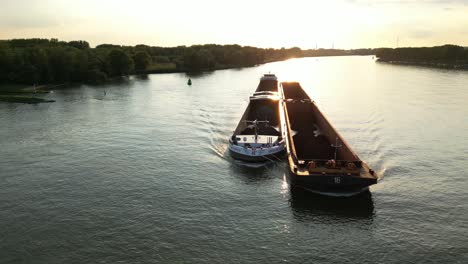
(286, 23)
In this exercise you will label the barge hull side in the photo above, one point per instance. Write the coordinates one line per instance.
(272, 157)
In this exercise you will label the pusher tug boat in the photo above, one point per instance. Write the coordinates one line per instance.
(319, 159)
(258, 137)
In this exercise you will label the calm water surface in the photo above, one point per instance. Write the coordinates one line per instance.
(141, 174)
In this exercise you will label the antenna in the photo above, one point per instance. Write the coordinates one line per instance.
(336, 146)
(398, 41)
(255, 125)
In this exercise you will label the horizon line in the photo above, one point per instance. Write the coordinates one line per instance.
(232, 44)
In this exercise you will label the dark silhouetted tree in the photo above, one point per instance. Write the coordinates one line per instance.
(142, 60)
(120, 63)
(79, 44)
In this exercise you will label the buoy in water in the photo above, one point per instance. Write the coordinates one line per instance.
(189, 82)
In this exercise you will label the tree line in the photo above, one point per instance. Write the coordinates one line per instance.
(41, 61)
(439, 54)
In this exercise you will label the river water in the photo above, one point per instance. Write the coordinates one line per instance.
(137, 171)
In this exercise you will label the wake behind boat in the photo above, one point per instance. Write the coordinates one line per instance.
(258, 137)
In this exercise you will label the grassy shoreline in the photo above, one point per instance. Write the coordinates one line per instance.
(430, 64)
(23, 99)
(14, 93)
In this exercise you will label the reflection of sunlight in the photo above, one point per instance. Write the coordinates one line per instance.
(285, 229)
(294, 69)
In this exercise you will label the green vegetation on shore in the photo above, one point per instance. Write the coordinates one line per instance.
(44, 61)
(447, 56)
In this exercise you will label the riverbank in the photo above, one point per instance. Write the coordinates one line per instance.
(14, 93)
(153, 68)
(17, 93)
(443, 57)
(24, 99)
(431, 64)
(54, 61)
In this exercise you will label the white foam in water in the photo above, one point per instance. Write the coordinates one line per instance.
(252, 164)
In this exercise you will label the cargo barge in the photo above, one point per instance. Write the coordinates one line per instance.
(258, 137)
(319, 159)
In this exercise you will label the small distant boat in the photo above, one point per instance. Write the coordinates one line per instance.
(258, 136)
(319, 158)
(189, 82)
